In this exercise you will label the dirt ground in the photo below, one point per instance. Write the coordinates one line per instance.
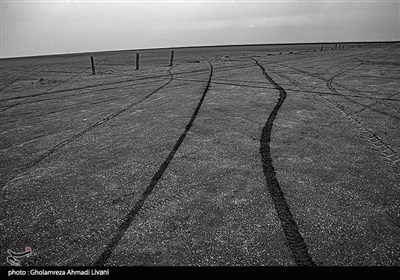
(172, 165)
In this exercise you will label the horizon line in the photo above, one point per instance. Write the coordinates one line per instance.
(199, 46)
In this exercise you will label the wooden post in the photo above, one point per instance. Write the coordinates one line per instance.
(93, 70)
(172, 58)
(322, 48)
(137, 61)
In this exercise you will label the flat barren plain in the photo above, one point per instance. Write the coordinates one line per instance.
(248, 155)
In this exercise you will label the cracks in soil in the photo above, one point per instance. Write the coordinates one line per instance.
(294, 239)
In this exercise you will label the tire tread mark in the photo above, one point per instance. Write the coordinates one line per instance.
(294, 239)
(93, 126)
(385, 151)
(346, 97)
(388, 154)
(133, 213)
(66, 108)
(366, 133)
(16, 104)
(28, 97)
(95, 86)
(24, 72)
(389, 98)
(76, 75)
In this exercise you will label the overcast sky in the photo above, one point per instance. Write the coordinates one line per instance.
(48, 27)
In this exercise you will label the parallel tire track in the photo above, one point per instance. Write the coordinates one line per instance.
(346, 97)
(6, 85)
(30, 71)
(76, 75)
(93, 88)
(82, 105)
(133, 213)
(28, 97)
(389, 98)
(88, 92)
(388, 154)
(295, 241)
(332, 57)
(93, 126)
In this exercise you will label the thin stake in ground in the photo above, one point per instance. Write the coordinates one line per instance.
(93, 69)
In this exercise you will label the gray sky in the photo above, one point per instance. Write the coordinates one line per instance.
(48, 27)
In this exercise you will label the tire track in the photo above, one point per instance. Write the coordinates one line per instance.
(31, 117)
(94, 87)
(294, 239)
(337, 83)
(334, 56)
(388, 154)
(77, 74)
(28, 97)
(98, 102)
(222, 83)
(72, 107)
(16, 104)
(330, 80)
(133, 213)
(188, 73)
(93, 126)
(385, 151)
(11, 81)
(34, 70)
(389, 98)
(370, 106)
(346, 97)
(89, 92)
(250, 84)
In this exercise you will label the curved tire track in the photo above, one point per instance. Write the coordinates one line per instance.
(133, 213)
(332, 89)
(93, 126)
(73, 107)
(344, 87)
(387, 153)
(295, 241)
(93, 88)
(28, 97)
